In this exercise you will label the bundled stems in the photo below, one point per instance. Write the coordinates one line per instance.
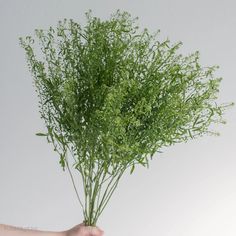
(114, 95)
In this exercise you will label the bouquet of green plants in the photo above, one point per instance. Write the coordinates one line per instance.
(112, 95)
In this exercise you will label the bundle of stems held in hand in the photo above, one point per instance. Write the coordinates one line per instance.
(112, 95)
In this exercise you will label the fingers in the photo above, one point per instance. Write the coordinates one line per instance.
(88, 230)
(99, 232)
(95, 231)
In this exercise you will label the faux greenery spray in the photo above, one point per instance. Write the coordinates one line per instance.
(112, 95)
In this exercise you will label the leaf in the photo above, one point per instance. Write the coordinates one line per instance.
(62, 161)
(132, 169)
(41, 134)
(141, 161)
(59, 138)
(190, 134)
(195, 122)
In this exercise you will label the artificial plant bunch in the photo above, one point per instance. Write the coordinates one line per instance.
(112, 95)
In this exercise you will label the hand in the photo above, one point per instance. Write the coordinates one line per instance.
(82, 230)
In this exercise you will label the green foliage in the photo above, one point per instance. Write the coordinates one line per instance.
(113, 95)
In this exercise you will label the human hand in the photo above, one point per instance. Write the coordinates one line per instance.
(82, 230)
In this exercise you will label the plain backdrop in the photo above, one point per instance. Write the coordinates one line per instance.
(189, 189)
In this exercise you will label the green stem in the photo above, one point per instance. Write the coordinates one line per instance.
(90, 179)
(100, 187)
(104, 195)
(107, 198)
(85, 195)
(73, 182)
(94, 195)
(71, 176)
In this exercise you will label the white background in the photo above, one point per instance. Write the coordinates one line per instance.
(189, 190)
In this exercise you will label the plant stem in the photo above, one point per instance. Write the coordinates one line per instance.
(73, 182)
(107, 197)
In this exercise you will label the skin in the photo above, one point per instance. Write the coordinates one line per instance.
(78, 230)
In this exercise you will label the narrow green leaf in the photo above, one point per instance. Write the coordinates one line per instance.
(62, 161)
(41, 134)
(132, 169)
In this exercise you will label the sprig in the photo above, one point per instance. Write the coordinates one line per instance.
(112, 95)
